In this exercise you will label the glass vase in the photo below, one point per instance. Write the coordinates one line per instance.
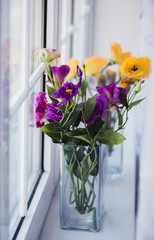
(115, 152)
(83, 171)
(115, 162)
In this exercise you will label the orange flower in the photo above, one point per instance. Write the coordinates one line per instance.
(136, 68)
(125, 82)
(72, 63)
(94, 64)
(116, 54)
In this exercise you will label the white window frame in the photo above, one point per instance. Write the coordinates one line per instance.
(31, 227)
(4, 125)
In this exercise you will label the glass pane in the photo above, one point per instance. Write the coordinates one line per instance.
(16, 41)
(66, 16)
(34, 141)
(36, 33)
(16, 154)
(65, 51)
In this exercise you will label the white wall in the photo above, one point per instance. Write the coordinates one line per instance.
(115, 20)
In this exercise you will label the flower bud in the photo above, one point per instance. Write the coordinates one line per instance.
(78, 72)
(138, 87)
(49, 54)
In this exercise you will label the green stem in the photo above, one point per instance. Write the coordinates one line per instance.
(123, 123)
(104, 68)
(66, 109)
(84, 121)
(82, 196)
(73, 107)
(106, 122)
(47, 67)
(94, 219)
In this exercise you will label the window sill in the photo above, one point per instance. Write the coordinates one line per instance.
(37, 210)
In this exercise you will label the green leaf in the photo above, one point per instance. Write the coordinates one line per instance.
(54, 135)
(61, 108)
(79, 107)
(70, 140)
(50, 90)
(95, 127)
(123, 99)
(76, 132)
(71, 119)
(120, 119)
(135, 103)
(85, 138)
(89, 107)
(52, 127)
(85, 167)
(54, 99)
(110, 138)
(78, 120)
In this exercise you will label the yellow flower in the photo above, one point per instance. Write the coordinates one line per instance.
(136, 68)
(122, 74)
(72, 63)
(94, 64)
(116, 54)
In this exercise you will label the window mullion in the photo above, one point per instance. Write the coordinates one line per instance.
(24, 152)
(36, 75)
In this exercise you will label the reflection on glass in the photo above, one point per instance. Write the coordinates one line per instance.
(36, 33)
(16, 48)
(15, 146)
(34, 142)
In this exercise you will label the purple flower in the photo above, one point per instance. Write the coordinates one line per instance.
(52, 112)
(112, 93)
(99, 110)
(67, 91)
(59, 73)
(78, 72)
(41, 105)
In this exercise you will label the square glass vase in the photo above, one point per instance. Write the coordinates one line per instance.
(115, 162)
(115, 152)
(83, 172)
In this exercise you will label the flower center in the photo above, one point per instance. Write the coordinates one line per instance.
(134, 68)
(69, 90)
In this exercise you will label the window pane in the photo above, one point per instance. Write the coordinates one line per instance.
(16, 41)
(36, 33)
(34, 141)
(65, 51)
(66, 16)
(16, 154)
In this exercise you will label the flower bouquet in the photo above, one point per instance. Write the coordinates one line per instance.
(80, 123)
(125, 71)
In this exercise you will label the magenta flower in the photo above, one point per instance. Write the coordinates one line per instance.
(67, 91)
(52, 112)
(41, 105)
(99, 110)
(59, 73)
(112, 93)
